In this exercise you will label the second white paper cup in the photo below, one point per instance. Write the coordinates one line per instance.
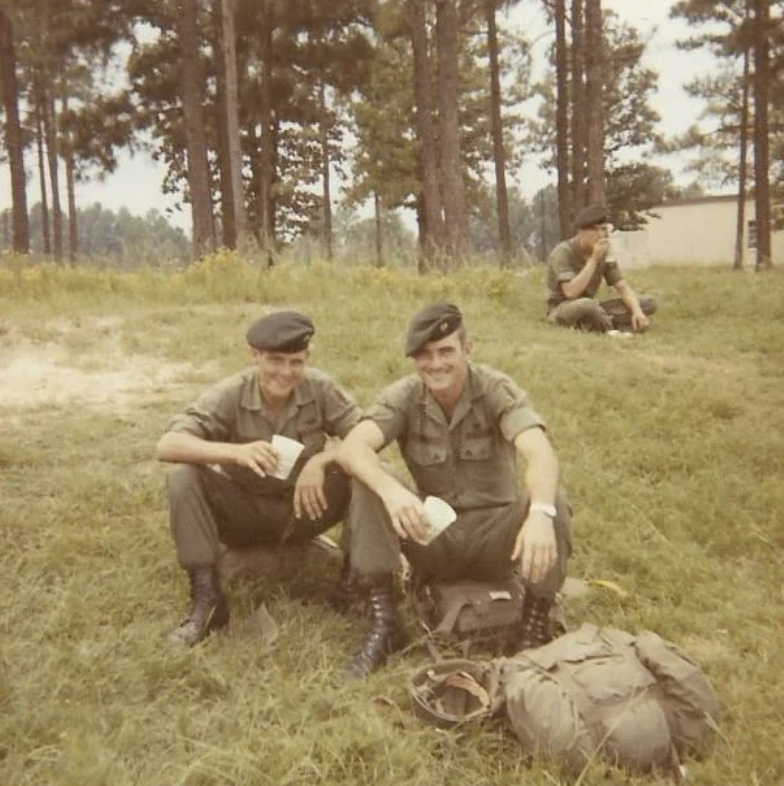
(440, 515)
(288, 453)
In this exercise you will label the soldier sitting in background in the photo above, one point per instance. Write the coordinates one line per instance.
(575, 271)
(460, 429)
(222, 486)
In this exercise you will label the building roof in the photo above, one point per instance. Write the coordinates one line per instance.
(702, 200)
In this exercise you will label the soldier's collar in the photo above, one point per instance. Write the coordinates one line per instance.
(470, 392)
(303, 393)
(252, 399)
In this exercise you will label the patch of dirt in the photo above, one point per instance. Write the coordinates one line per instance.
(46, 373)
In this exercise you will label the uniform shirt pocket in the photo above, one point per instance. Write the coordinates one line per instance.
(310, 429)
(426, 454)
(477, 447)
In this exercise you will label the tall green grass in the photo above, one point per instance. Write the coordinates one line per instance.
(671, 448)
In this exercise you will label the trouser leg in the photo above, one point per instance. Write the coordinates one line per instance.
(619, 311)
(192, 517)
(207, 508)
(479, 546)
(583, 313)
(375, 547)
(337, 491)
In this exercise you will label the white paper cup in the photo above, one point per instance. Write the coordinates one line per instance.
(440, 515)
(288, 453)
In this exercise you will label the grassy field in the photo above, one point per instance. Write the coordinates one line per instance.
(672, 447)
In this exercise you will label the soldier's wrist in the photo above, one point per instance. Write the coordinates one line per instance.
(546, 508)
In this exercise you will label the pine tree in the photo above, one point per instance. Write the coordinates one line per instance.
(13, 133)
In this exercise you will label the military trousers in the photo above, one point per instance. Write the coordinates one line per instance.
(207, 508)
(478, 545)
(598, 316)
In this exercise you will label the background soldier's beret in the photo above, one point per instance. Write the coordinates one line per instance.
(591, 216)
(283, 331)
(431, 324)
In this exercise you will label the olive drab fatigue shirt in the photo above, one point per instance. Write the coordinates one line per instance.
(234, 411)
(565, 262)
(470, 461)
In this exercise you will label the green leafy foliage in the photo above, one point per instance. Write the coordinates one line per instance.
(120, 239)
(630, 125)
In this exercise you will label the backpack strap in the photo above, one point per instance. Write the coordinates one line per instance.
(447, 624)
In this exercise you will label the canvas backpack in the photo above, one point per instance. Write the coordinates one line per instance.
(465, 612)
(638, 701)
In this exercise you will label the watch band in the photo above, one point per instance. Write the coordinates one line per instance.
(544, 507)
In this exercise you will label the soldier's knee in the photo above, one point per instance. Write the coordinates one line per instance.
(337, 487)
(181, 478)
(587, 307)
(364, 502)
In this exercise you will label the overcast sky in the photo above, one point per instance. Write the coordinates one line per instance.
(137, 184)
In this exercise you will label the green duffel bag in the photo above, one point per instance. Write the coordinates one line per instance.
(637, 700)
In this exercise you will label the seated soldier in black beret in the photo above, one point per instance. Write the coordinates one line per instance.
(575, 271)
(461, 429)
(222, 485)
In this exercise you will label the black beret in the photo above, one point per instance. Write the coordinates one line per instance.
(431, 324)
(283, 331)
(591, 216)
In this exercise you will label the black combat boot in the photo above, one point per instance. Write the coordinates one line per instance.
(346, 597)
(385, 636)
(209, 610)
(535, 622)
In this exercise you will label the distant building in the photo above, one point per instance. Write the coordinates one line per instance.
(698, 231)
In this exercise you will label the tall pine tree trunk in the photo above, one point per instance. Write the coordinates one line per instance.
(594, 89)
(431, 235)
(562, 120)
(379, 232)
(499, 154)
(13, 136)
(578, 106)
(740, 223)
(326, 181)
(232, 192)
(70, 184)
(228, 227)
(761, 131)
(266, 210)
(452, 185)
(192, 94)
(52, 151)
(46, 240)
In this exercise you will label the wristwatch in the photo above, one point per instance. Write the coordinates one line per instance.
(544, 507)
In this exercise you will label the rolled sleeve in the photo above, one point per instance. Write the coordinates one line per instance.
(208, 418)
(390, 410)
(561, 265)
(512, 409)
(341, 412)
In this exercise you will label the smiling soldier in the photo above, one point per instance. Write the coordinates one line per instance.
(461, 428)
(222, 485)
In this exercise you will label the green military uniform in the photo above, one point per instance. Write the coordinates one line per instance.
(565, 262)
(232, 503)
(469, 461)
